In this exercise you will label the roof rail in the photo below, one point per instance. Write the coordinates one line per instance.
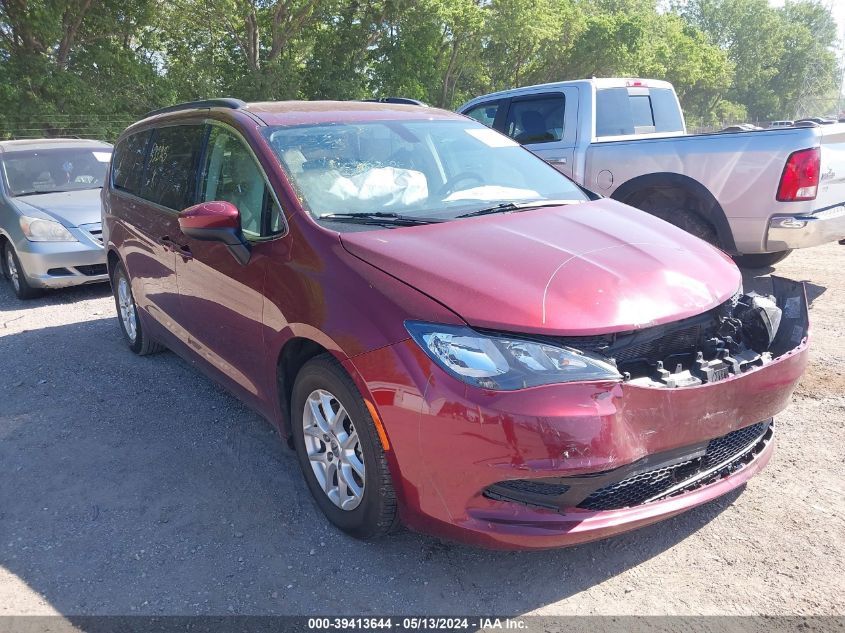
(401, 100)
(226, 102)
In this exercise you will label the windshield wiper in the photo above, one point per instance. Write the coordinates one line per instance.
(379, 217)
(506, 207)
(38, 192)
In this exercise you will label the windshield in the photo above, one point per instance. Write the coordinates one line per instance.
(433, 169)
(50, 170)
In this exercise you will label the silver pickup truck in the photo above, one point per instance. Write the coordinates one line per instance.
(757, 194)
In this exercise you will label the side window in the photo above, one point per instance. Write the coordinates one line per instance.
(171, 168)
(128, 162)
(232, 175)
(536, 120)
(626, 111)
(484, 113)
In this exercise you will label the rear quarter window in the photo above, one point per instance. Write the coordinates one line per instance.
(128, 162)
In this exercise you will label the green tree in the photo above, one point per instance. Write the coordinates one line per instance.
(431, 50)
(78, 67)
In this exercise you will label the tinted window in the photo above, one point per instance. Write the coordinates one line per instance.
(613, 114)
(538, 120)
(484, 113)
(58, 169)
(619, 112)
(231, 174)
(667, 114)
(128, 163)
(171, 167)
(641, 113)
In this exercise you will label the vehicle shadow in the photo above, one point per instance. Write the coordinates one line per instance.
(136, 486)
(10, 303)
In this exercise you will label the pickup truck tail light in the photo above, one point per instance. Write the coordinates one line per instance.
(800, 178)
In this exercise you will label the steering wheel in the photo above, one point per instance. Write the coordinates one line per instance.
(450, 185)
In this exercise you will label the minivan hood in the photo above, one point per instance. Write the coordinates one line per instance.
(582, 269)
(71, 208)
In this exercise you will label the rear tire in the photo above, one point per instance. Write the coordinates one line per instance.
(675, 209)
(127, 315)
(761, 260)
(14, 272)
(339, 452)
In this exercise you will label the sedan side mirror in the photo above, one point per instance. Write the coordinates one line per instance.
(216, 221)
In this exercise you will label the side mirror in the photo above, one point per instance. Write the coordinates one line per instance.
(216, 222)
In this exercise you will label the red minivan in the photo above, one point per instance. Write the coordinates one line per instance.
(450, 333)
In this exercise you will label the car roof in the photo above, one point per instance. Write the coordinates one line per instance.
(50, 143)
(310, 112)
(596, 82)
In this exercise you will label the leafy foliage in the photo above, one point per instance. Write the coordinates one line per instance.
(90, 67)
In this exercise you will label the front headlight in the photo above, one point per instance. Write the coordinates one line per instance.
(504, 364)
(38, 230)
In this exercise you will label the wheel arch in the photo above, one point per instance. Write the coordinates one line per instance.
(112, 259)
(292, 356)
(708, 208)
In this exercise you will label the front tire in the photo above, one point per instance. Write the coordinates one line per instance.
(761, 260)
(339, 451)
(15, 274)
(127, 314)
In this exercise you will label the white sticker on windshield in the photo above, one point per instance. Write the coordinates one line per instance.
(102, 157)
(491, 138)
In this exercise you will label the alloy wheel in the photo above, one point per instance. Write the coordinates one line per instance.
(13, 269)
(127, 308)
(334, 449)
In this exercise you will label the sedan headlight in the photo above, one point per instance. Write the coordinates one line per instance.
(39, 230)
(502, 363)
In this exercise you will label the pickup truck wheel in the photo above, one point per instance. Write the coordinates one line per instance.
(685, 219)
(760, 260)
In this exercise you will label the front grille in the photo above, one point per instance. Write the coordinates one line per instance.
(663, 482)
(95, 231)
(92, 270)
(680, 339)
(59, 272)
(672, 343)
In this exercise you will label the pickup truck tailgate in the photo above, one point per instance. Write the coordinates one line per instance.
(832, 174)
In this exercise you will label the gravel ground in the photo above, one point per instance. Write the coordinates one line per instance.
(136, 486)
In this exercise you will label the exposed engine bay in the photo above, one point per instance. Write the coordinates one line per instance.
(747, 331)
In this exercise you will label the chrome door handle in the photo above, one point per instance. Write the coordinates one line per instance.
(557, 161)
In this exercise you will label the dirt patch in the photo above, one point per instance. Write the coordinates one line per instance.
(822, 380)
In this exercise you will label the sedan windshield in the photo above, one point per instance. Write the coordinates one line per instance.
(437, 169)
(51, 170)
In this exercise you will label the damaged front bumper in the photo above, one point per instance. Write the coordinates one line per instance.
(562, 464)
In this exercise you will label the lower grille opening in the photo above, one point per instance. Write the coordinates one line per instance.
(683, 472)
(59, 272)
(92, 269)
(731, 452)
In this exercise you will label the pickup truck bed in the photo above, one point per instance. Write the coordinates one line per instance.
(625, 138)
